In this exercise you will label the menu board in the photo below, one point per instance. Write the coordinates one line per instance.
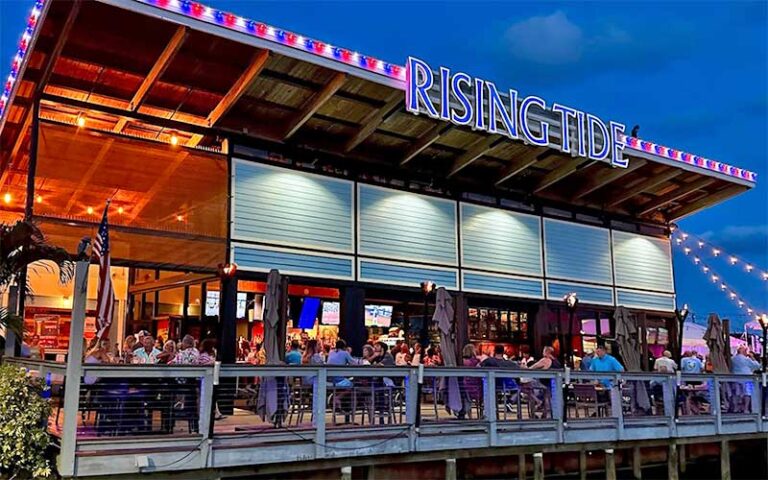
(49, 330)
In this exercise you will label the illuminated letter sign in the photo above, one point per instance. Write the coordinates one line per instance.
(463, 100)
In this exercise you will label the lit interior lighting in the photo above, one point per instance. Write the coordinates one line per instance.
(120, 210)
(179, 218)
(90, 210)
(7, 197)
(174, 139)
(80, 120)
(39, 199)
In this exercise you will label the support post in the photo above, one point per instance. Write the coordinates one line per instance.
(74, 372)
(411, 406)
(582, 465)
(12, 309)
(346, 473)
(450, 469)
(521, 467)
(672, 467)
(637, 463)
(352, 322)
(681, 454)
(725, 460)
(490, 407)
(610, 465)
(227, 348)
(318, 416)
(538, 466)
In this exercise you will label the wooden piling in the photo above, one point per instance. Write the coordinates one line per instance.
(725, 460)
(538, 466)
(521, 467)
(450, 469)
(681, 453)
(610, 465)
(346, 473)
(672, 467)
(637, 464)
(582, 465)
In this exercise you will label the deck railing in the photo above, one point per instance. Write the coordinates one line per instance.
(239, 415)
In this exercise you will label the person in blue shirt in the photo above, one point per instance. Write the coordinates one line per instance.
(340, 356)
(690, 363)
(293, 357)
(741, 364)
(604, 362)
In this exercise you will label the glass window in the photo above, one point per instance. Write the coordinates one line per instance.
(195, 301)
(171, 302)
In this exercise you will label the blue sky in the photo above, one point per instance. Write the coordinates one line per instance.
(693, 75)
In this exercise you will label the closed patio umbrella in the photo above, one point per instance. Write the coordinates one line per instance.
(444, 319)
(716, 344)
(628, 341)
(267, 404)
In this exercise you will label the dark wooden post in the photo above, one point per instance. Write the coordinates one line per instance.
(644, 339)
(227, 348)
(282, 325)
(462, 323)
(352, 321)
(727, 341)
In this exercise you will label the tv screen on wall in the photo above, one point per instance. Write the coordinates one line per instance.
(378, 315)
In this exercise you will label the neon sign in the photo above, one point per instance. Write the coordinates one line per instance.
(463, 100)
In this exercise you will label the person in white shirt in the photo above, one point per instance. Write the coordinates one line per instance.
(148, 354)
(665, 364)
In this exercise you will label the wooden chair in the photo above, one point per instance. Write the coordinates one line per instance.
(586, 397)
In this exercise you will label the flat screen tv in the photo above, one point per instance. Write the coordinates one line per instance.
(212, 304)
(309, 309)
(330, 314)
(378, 315)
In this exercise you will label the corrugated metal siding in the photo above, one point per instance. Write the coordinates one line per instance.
(577, 252)
(406, 226)
(499, 240)
(586, 293)
(406, 275)
(642, 262)
(285, 207)
(501, 285)
(653, 301)
(263, 259)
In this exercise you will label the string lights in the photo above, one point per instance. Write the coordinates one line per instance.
(704, 247)
(716, 279)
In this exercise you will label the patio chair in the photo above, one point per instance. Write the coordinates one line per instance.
(587, 398)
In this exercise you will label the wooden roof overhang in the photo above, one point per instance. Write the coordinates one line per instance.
(135, 69)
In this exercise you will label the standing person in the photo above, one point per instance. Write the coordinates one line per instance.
(148, 354)
(382, 356)
(690, 363)
(293, 357)
(169, 352)
(188, 354)
(741, 364)
(605, 362)
(738, 394)
(665, 364)
(207, 352)
(471, 387)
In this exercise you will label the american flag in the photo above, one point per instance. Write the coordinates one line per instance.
(105, 299)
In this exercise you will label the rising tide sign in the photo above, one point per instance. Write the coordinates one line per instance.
(476, 103)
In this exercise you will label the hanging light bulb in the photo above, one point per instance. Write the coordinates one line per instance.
(39, 199)
(174, 139)
(765, 275)
(733, 260)
(715, 252)
(687, 250)
(80, 120)
(679, 240)
(120, 210)
(701, 244)
(706, 269)
(685, 236)
(733, 295)
(741, 304)
(179, 218)
(90, 210)
(723, 287)
(749, 311)
(749, 267)
(696, 260)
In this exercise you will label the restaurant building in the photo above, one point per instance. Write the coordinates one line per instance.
(225, 140)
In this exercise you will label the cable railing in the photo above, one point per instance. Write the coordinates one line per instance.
(215, 414)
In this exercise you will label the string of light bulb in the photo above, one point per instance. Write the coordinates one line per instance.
(715, 278)
(704, 246)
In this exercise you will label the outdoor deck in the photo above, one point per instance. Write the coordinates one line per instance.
(161, 418)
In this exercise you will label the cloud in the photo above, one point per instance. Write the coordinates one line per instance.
(548, 40)
(552, 47)
(741, 240)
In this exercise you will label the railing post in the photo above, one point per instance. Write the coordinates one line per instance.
(411, 405)
(558, 406)
(319, 406)
(616, 408)
(757, 402)
(205, 419)
(715, 405)
(74, 371)
(670, 404)
(490, 406)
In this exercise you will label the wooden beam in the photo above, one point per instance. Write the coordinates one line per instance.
(606, 176)
(520, 163)
(432, 135)
(676, 194)
(194, 140)
(10, 159)
(61, 40)
(161, 64)
(156, 187)
(706, 201)
(314, 103)
(86, 178)
(647, 184)
(475, 151)
(238, 89)
(561, 172)
(372, 121)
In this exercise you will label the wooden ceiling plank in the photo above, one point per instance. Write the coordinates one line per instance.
(607, 176)
(313, 104)
(162, 63)
(676, 194)
(520, 163)
(641, 187)
(156, 187)
(706, 201)
(86, 178)
(475, 151)
(239, 87)
(561, 172)
(372, 121)
(56, 52)
(423, 142)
